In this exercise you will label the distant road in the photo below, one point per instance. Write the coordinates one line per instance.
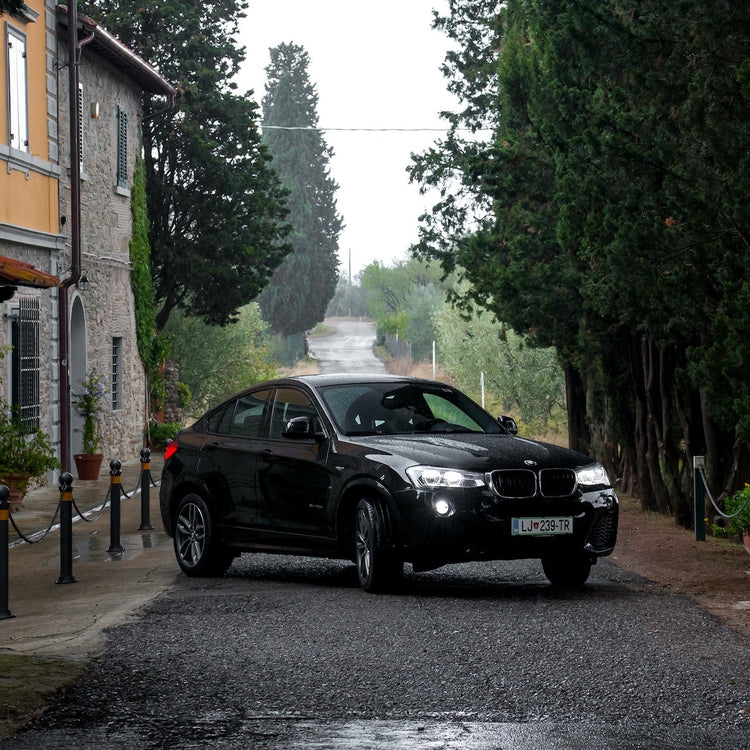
(348, 349)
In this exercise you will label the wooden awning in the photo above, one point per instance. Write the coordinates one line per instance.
(17, 273)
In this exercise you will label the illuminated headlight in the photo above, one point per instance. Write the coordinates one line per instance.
(430, 477)
(442, 507)
(593, 475)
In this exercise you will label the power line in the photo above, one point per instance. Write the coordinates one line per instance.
(373, 130)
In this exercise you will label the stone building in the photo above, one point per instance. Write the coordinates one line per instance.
(77, 282)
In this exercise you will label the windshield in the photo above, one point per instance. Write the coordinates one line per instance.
(404, 409)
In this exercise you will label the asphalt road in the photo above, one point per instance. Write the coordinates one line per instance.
(290, 653)
(349, 349)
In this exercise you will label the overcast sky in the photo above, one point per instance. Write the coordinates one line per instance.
(374, 65)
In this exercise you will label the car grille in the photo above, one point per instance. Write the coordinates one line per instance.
(514, 483)
(557, 482)
(521, 483)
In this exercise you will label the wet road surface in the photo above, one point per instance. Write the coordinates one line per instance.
(349, 349)
(290, 653)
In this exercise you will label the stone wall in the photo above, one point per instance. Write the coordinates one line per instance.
(106, 227)
(173, 411)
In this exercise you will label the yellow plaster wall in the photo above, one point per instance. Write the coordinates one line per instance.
(30, 202)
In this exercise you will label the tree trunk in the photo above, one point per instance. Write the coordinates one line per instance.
(579, 437)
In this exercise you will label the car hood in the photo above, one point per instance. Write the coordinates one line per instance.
(470, 452)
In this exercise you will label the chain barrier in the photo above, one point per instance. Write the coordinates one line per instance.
(98, 510)
(64, 510)
(702, 474)
(39, 535)
(94, 514)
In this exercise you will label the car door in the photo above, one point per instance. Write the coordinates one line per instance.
(293, 479)
(232, 448)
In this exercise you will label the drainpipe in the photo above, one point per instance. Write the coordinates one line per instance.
(75, 238)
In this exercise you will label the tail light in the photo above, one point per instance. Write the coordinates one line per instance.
(170, 449)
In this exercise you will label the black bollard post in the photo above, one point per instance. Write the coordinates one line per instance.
(115, 471)
(5, 613)
(145, 491)
(699, 498)
(66, 529)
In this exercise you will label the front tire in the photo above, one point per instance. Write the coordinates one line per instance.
(378, 568)
(567, 571)
(198, 551)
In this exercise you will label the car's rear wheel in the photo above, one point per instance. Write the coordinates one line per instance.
(567, 571)
(198, 551)
(378, 568)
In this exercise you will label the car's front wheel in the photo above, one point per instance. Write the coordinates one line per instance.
(377, 566)
(198, 551)
(567, 571)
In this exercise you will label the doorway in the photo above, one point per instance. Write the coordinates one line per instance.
(77, 369)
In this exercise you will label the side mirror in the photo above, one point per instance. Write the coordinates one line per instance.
(509, 424)
(301, 428)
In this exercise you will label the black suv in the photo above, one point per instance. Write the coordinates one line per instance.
(381, 470)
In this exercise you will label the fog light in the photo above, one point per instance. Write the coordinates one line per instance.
(442, 507)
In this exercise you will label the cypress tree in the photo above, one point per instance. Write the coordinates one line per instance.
(301, 288)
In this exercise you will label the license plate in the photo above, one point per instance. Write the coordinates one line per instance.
(542, 526)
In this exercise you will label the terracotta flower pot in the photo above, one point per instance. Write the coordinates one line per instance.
(17, 484)
(88, 465)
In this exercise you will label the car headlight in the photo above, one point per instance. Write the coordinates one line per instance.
(431, 477)
(594, 475)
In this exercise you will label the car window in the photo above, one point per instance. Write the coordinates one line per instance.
(342, 402)
(248, 414)
(242, 416)
(444, 410)
(289, 403)
(214, 420)
(395, 408)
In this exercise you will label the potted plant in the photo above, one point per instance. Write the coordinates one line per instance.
(24, 456)
(157, 434)
(88, 405)
(737, 507)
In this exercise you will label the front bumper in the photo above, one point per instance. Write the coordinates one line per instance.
(479, 526)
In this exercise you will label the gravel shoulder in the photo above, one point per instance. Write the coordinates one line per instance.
(716, 573)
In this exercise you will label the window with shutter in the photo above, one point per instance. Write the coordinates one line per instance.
(122, 148)
(17, 102)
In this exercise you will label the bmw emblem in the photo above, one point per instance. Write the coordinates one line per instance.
(529, 462)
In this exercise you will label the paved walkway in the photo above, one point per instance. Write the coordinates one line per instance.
(69, 619)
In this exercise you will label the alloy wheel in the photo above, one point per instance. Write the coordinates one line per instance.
(190, 535)
(363, 545)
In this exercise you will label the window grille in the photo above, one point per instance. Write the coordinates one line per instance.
(80, 124)
(26, 399)
(116, 373)
(122, 148)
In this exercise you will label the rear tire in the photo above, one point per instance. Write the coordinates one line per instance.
(198, 551)
(378, 569)
(567, 571)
